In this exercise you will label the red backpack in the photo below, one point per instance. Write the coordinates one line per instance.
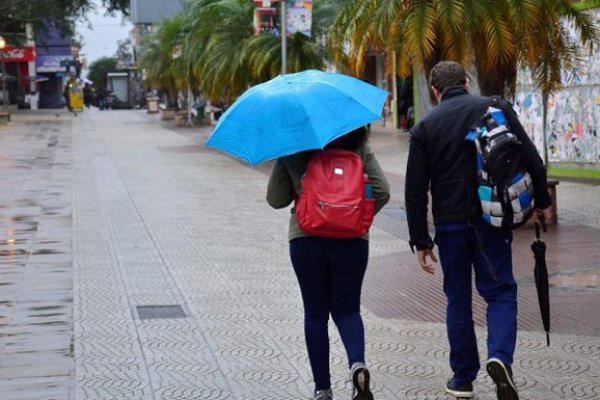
(332, 201)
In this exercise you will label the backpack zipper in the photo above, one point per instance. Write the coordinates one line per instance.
(324, 204)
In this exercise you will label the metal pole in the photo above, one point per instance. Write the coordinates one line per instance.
(394, 92)
(189, 101)
(544, 128)
(4, 106)
(2, 45)
(283, 39)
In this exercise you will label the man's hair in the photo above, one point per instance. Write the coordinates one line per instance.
(447, 73)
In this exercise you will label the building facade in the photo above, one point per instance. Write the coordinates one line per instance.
(18, 63)
(54, 56)
(19, 73)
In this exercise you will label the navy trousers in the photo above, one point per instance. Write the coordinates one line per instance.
(461, 252)
(330, 273)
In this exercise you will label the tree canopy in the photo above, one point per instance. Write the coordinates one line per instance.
(218, 52)
(15, 14)
(99, 68)
(493, 36)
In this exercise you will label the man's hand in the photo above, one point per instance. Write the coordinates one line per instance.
(542, 214)
(422, 258)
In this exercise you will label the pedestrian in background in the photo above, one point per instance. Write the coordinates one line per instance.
(101, 98)
(330, 271)
(67, 96)
(438, 159)
(87, 95)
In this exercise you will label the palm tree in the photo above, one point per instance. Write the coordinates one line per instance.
(493, 36)
(265, 55)
(302, 52)
(227, 57)
(217, 35)
(157, 59)
(353, 35)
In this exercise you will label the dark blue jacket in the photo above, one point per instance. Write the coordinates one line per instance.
(438, 158)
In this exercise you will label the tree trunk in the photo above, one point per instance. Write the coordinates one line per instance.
(497, 82)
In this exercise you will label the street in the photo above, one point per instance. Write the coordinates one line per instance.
(138, 264)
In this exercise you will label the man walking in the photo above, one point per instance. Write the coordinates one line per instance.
(438, 159)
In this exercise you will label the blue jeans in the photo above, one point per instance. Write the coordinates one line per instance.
(460, 253)
(330, 273)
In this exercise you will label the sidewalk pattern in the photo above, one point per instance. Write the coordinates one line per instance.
(182, 287)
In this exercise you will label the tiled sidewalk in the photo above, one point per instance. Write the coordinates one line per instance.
(158, 220)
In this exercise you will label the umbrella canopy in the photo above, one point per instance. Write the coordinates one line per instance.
(295, 112)
(540, 274)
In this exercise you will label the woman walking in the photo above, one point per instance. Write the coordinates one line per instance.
(330, 271)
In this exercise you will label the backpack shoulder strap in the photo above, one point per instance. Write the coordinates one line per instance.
(494, 100)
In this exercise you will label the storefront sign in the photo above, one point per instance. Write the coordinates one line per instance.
(17, 54)
(299, 17)
(49, 63)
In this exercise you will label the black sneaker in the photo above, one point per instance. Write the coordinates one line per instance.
(501, 374)
(464, 391)
(360, 379)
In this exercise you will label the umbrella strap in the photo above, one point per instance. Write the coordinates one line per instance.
(482, 250)
(537, 228)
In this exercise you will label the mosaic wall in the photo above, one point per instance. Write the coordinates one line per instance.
(573, 121)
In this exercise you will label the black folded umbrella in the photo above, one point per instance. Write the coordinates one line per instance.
(540, 274)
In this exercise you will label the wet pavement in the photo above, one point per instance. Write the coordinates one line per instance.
(137, 264)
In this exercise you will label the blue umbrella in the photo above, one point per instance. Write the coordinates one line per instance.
(295, 112)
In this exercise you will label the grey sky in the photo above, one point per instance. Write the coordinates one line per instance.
(100, 40)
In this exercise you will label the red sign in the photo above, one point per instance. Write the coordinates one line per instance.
(265, 3)
(17, 54)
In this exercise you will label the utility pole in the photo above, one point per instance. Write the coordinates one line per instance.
(283, 38)
(2, 44)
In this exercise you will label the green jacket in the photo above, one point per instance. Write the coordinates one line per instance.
(284, 183)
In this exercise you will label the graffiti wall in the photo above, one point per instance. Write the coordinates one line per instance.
(573, 114)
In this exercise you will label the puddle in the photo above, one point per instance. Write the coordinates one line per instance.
(48, 315)
(49, 323)
(576, 280)
(46, 251)
(31, 228)
(21, 218)
(45, 308)
(12, 253)
(12, 242)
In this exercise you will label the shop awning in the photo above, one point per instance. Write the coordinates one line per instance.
(35, 78)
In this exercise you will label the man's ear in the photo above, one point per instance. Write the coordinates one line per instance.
(436, 93)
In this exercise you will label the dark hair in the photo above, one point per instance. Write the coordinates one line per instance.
(352, 140)
(447, 73)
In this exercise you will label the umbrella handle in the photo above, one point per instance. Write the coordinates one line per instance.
(537, 223)
(544, 226)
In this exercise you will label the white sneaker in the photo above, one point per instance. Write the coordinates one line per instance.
(323, 395)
